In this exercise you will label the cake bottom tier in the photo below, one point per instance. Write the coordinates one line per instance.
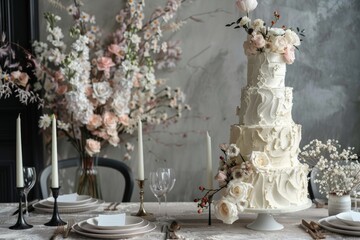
(278, 189)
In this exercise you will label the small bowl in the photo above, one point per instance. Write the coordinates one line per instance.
(351, 218)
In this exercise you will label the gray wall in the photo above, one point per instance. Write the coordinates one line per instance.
(325, 78)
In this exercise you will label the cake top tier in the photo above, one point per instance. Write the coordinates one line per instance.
(266, 70)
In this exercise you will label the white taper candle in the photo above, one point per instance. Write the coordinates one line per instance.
(209, 161)
(19, 163)
(140, 152)
(54, 158)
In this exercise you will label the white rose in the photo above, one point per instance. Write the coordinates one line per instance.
(119, 105)
(257, 25)
(244, 20)
(278, 44)
(226, 211)
(102, 91)
(260, 160)
(238, 190)
(292, 37)
(276, 31)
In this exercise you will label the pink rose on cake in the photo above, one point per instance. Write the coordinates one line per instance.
(289, 55)
(258, 41)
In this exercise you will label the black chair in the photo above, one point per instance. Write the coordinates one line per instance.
(101, 162)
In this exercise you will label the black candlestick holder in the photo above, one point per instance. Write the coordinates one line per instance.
(210, 202)
(55, 220)
(21, 223)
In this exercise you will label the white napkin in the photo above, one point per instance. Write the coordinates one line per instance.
(355, 216)
(112, 220)
(72, 197)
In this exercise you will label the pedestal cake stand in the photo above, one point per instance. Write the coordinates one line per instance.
(265, 220)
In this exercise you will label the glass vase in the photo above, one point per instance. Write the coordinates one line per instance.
(87, 178)
(338, 204)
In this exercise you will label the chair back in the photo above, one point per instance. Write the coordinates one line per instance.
(121, 167)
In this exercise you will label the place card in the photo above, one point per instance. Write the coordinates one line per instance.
(355, 216)
(72, 197)
(112, 220)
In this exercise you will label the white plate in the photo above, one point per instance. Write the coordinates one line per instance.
(130, 221)
(92, 201)
(90, 228)
(80, 231)
(79, 200)
(334, 222)
(347, 217)
(327, 226)
(42, 208)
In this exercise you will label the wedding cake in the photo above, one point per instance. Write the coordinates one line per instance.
(267, 136)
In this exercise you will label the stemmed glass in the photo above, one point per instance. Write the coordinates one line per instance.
(172, 179)
(29, 182)
(159, 183)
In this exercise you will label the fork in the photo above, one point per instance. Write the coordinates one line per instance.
(114, 207)
(109, 207)
(68, 228)
(59, 230)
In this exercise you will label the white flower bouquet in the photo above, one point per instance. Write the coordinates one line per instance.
(338, 169)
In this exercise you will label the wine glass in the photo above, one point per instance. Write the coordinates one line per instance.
(159, 183)
(172, 179)
(29, 182)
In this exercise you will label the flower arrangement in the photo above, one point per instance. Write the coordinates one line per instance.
(13, 77)
(232, 174)
(339, 170)
(99, 88)
(266, 39)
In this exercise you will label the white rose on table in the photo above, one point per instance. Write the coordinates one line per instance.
(260, 160)
(238, 190)
(226, 211)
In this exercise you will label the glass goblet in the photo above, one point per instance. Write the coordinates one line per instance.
(29, 182)
(171, 173)
(159, 182)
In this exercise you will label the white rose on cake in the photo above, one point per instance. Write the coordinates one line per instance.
(238, 190)
(260, 160)
(226, 211)
(292, 37)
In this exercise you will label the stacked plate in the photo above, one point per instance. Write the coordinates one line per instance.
(134, 226)
(345, 223)
(66, 204)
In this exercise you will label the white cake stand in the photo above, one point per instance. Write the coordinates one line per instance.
(265, 220)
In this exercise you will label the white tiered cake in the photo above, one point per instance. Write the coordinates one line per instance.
(266, 127)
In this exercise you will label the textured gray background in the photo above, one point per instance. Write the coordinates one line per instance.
(325, 78)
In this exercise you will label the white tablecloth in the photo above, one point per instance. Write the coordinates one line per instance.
(193, 225)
